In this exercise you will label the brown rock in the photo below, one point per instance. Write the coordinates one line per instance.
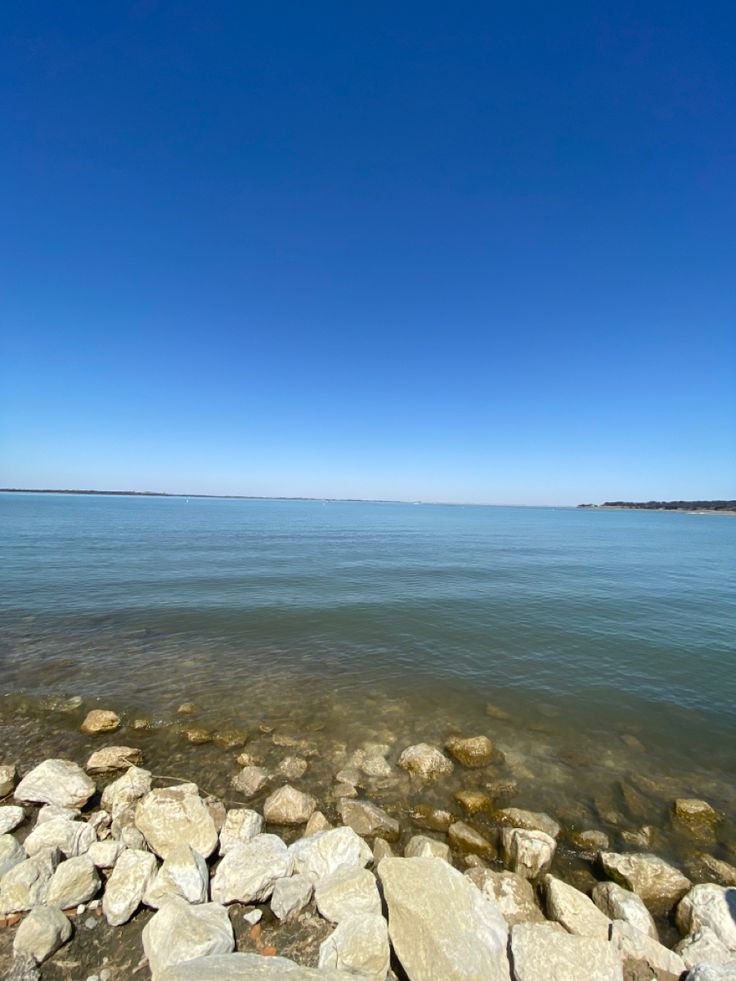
(466, 839)
(471, 751)
(100, 720)
(473, 801)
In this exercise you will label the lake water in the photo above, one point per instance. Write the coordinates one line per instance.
(354, 621)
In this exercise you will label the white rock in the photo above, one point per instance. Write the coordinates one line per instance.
(70, 837)
(131, 877)
(50, 812)
(106, 853)
(249, 967)
(127, 790)
(10, 818)
(440, 924)
(249, 871)
(713, 972)
(420, 846)
(41, 933)
(75, 881)
(347, 892)
(184, 873)
(176, 815)
(425, 761)
(56, 782)
(325, 852)
(659, 884)
(250, 780)
(573, 910)
(317, 822)
(8, 776)
(26, 884)
(290, 896)
(179, 932)
(512, 894)
(241, 824)
(359, 946)
(287, 805)
(703, 946)
(528, 853)
(11, 854)
(366, 818)
(293, 767)
(712, 906)
(622, 904)
(254, 916)
(639, 948)
(114, 758)
(545, 951)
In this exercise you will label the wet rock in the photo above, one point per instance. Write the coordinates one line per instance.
(502, 788)
(542, 951)
(249, 967)
(10, 818)
(287, 805)
(184, 873)
(696, 817)
(293, 767)
(11, 854)
(241, 824)
(290, 896)
(316, 823)
(472, 751)
(711, 869)
(516, 817)
(173, 816)
(430, 908)
(473, 801)
(512, 894)
(125, 792)
(130, 879)
(366, 818)
(325, 852)
(528, 853)
(41, 933)
(431, 818)
(197, 735)
(359, 946)
(100, 720)
(180, 932)
(631, 742)
(230, 738)
(372, 762)
(420, 846)
(381, 849)
(56, 782)
(639, 807)
(75, 881)
(8, 777)
(26, 884)
(70, 837)
(250, 780)
(621, 904)
(186, 708)
(573, 910)
(589, 843)
(703, 946)
(639, 950)
(114, 758)
(641, 838)
(659, 884)
(496, 712)
(105, 854)
(248, 872)
(711, 906)
(347, 892)
(425, 761)
(466, 839)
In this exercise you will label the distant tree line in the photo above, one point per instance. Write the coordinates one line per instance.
(674, 505)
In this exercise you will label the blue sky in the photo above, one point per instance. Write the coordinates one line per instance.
(467, 251)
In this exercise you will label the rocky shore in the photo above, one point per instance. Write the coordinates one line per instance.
(109, 871)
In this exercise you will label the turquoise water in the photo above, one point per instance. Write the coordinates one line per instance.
(581, 625)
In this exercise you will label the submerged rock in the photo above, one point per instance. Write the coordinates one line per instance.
(528, 853)
(325, 852)
(173, 816)
(542, 951)
(366, 818)
(41, 933)
(347, 892)
(474, 801)
(573, 910)
(359, 946)
(590, 842)
(248, 872)
(512, 894)
(130, 879)
(659, 884)
(250, 780)
(466, 839)
(622, 904)
(114, 758)
(425, 761)
(431, 818)
(56, 782)
(180, 932)
(287, 805)
(100, 720)
(713, 870)
(472, 751)
(293, 767)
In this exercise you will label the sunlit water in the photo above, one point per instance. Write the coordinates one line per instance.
(346, 622)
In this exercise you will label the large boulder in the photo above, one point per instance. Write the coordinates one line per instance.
(702, 947)
(70, 837)
(241, 824)
(528, 853)
(130, 879)
(425, 761)
(622, 904)
(10, 818)
(41, 933)
(573, 910)
(75, 881)
(640, 952)
(440, 924)
(100, 720)
(11, 854)
(248, 872)
(114, 758)
(183, 874)
(174, 816)
(180, 932)
(659, 884)
(512, 894)
(26, 884)
(249, 967)
(471, 751)
(366, 818)
(542, 951)
(325, 852)
(55, 782)
(347, 892)
(711, 906)
(359, 945)
(287, 805)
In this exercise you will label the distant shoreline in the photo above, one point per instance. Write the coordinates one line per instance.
(679, 507)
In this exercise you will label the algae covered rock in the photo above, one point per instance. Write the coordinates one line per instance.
(100, 720)
(425, 761)
(471, 751)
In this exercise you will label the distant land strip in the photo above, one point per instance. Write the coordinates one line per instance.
(214, 497)
(729, 506)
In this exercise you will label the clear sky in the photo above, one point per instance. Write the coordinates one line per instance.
(438, 251)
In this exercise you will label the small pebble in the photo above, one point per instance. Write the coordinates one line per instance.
(105, 974)
(93, 904)
(253, 916)
(90, 922)
(93, 977)
(80, 909)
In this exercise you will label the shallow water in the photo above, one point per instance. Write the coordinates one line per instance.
(347, 622)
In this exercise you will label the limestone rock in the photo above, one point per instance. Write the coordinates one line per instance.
(347, 892)
(75, 881)
(372, 762)
(100, 720)
(114, 758)
(10, 818)
(126, 791)
(639, 950)
(698, 815)
(290, 896)
(105, 853)
(41, 933)
(713, 972)
(474, 801)
(712, 906)
(714, 870)
(529, 853)
(179, 932)
(56, 782)
(425, 761)
(287, 805)
(325, 852)
(173, 816)
(11, 854)
(241, 824)
(473, 751)
(184, 873)
(660, 885)
(622, 904)
(70, 837)
(316, 823)
(130, 879)
(249, 871)
(512, 894)
(516, 817)
(8, 776)
(703, 946)
(249, 967)
(26, 884)
(466, 839)
(573, 910)
(293, 767)
(358, 946)
(250, 780)
(420, 846)
(590, 842)
(542, 951)
(366, 818)
(49, 812)
(440, 924)
(381, 850)
(431, 818)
